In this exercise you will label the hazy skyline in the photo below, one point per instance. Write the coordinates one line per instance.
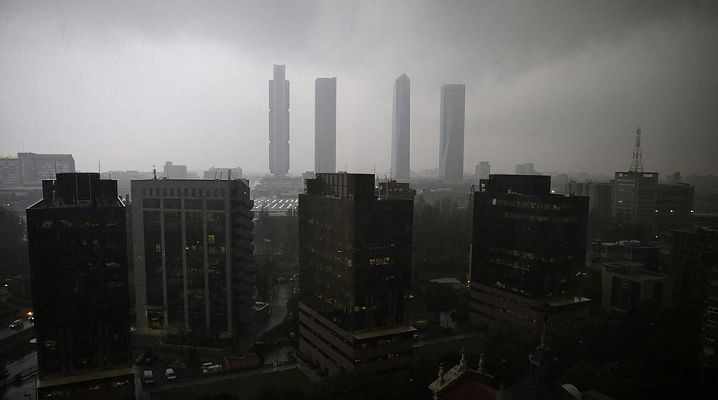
(561, 84)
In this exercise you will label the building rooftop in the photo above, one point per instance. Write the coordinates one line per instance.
(633, 271)
(372, 333)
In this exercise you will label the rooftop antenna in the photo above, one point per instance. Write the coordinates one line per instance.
(637, 163)
(154, 173)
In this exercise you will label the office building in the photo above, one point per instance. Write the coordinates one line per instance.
(175, 171)
(483, 170)
(526, 169)
(626, 285)
(647, 256)
(78, 261)
(401, 129)
(279, 123)
(695, 270)
(355, 265)
(29, 169)
(674, 203)
(634, 196)
(451, 138)
(279, 186)
(325, 125)
(527, 246)
(600, 195)
(193, 255)
(223, 173)
(397, 190)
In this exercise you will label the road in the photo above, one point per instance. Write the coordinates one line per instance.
(277, 353)
(28, 386)
(278, 300)
(7, 332)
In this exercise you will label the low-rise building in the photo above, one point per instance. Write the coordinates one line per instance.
(626, 285)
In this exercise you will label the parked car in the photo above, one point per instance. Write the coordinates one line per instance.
(170, 375)
(148, 377)
(17, 324)
(209, 368)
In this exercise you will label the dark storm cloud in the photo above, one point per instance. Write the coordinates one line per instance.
(559, 83)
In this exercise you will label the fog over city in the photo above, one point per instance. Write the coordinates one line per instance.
(562, 84)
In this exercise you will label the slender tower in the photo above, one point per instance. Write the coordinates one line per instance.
(451, 136)
(400, 130)
(279, 123)
(325, 125)
(637, 163)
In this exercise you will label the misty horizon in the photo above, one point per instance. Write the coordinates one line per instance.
(560, 85)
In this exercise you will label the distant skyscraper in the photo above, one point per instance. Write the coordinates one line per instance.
(80, 291)
(483, 170)
(400, 130)
(279, 123)
(325, 125)
(451, 139)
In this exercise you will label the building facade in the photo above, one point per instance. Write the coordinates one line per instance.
(674, 203)
(78, 260)
(401, 129)
(634, 196)
(355, 265)
(527, 246)
(451, 137)
(193, 255)
(483, 170)
(325, 125)
(174, 171)
(695, 269)
(626, 285)
(31, 168)
(223, 173)
(279, 123)
(526, 169)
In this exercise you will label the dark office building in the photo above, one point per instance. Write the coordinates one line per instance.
(600, 195)
(674, 204)
(355, 254)
(695, 270)
(78, 260)
(634, 196)
(193, 255)
(527, 246)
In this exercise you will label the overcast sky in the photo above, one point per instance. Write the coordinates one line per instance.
(563, 84)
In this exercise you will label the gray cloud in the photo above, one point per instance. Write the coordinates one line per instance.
(559, 83)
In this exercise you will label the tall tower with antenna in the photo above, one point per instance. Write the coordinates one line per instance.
(637, 163)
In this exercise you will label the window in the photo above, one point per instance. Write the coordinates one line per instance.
(215, 204)
(172, 203)
(151, 203)
(194, 204)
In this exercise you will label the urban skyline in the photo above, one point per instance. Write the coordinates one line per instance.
(502, 201)
(535, 83)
